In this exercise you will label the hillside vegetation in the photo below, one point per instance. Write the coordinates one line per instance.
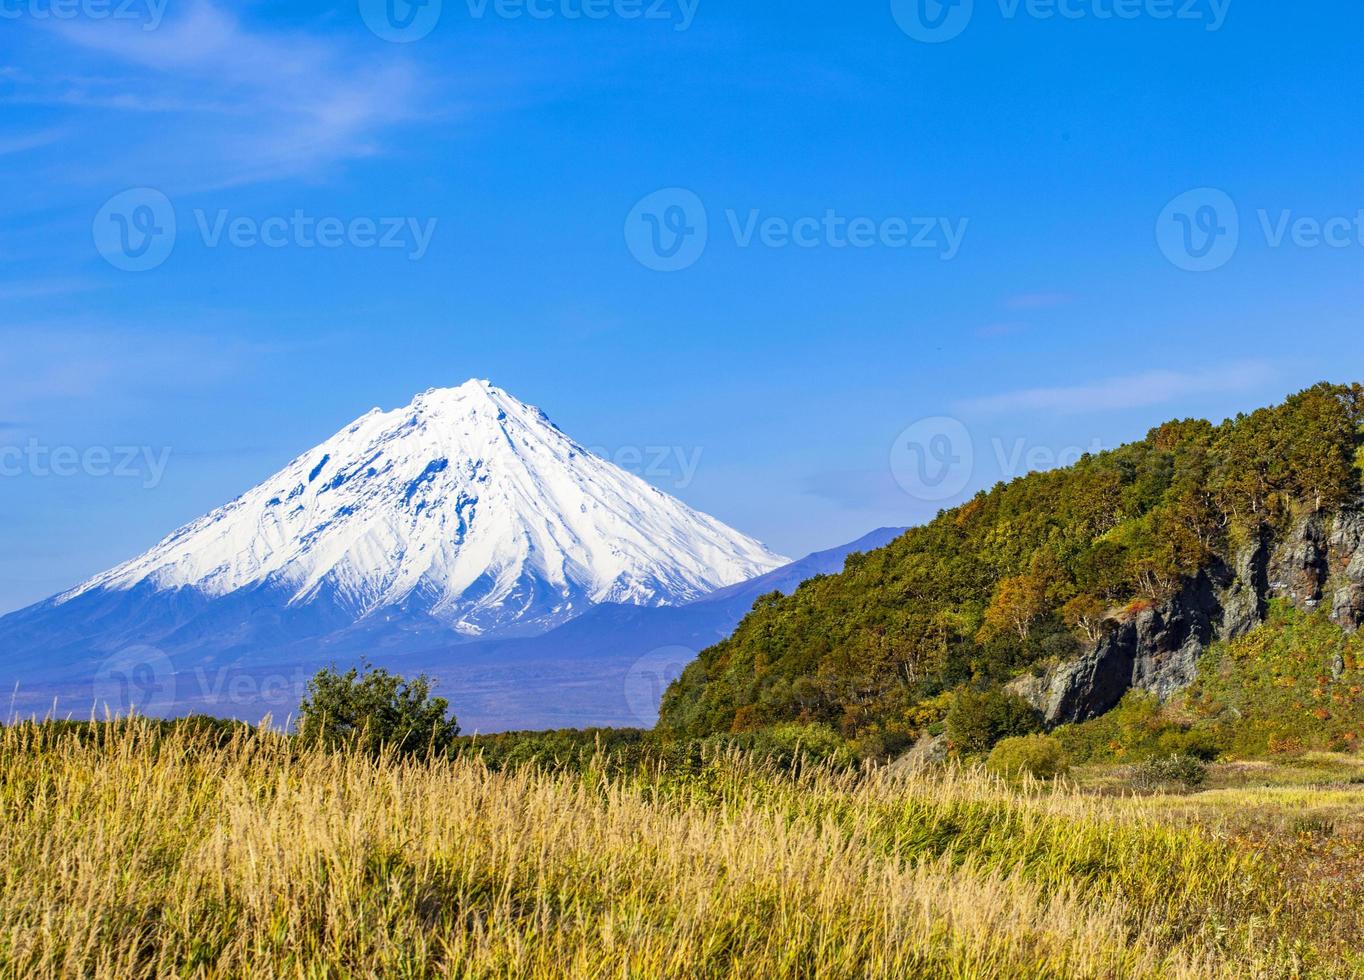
(134, 850)
(1028, 573)
(1289, 687)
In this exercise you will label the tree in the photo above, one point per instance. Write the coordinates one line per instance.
(1086, 614)
(1017, 604)
(979, 719)
(1040, 756)
(369, 709)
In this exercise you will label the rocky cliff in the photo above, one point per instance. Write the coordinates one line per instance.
(1157, 649)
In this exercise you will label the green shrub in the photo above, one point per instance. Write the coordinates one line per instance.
(374, 710)
(786, 745)
(619, 749)
(1178, 770)
(979, 719)
(1041, 756)
(1198, 743)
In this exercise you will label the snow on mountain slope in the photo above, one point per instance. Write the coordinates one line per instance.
(468, 506)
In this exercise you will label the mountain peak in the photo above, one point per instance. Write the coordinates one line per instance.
(467, 506)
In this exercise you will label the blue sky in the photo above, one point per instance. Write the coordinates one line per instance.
(1044, 162)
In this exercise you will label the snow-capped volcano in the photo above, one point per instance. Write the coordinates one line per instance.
(466, 506)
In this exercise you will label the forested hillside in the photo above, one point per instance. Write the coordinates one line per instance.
(1036, 572)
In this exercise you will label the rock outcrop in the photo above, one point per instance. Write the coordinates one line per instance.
(1346, 563)
(1158, 649)
(928, 750)
(1299, 567)
(1243, 601)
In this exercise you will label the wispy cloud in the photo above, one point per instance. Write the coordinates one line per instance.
(23, 142)
(1002, 329)
(1125, 391)
(857, 490)
(43, 288)
(1038, 301)
(63, 363)
(253, 104)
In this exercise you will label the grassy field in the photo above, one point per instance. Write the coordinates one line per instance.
(132, 852)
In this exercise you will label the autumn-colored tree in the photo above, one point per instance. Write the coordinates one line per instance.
(866, 649)
(1086, 614)
(1018, 602)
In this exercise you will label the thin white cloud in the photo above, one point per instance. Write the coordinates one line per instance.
(23, 142)
(1125, 391)
(1038, 301)
(251, 104)
(58, 363)
(43, 288)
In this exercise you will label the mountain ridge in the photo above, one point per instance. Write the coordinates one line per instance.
(1111, 574)
(465, 514)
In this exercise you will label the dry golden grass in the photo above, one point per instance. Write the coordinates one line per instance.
(131, 853)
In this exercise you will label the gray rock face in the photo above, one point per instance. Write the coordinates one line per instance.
(1158, 650)
(1347, 606)
(928, 750)
(1346, 559)
(1170, 639)
(1299, 566)
(1086, 688)
(1347, 534)
(1243, 602)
